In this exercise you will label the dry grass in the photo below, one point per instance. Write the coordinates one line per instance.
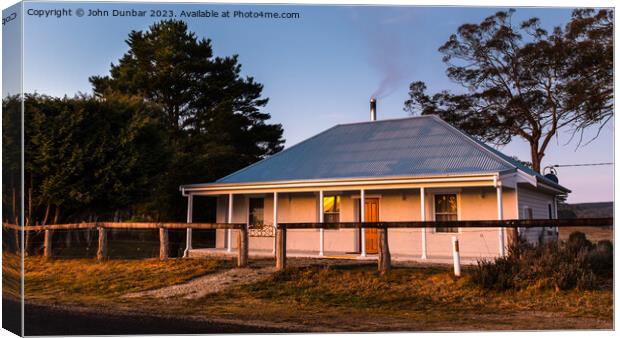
(11, 271)
(426, 298)
(323, 297)
(86, 279)
(593, 234)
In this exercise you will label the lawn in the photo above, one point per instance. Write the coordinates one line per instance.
(84, 280)
(320, 296)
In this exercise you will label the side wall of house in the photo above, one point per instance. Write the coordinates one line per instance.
(539, 203)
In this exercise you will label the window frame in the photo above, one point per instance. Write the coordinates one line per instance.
(458, 210)
(249, 206)
(337, 202)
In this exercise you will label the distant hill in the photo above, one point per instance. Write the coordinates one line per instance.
(586, 210)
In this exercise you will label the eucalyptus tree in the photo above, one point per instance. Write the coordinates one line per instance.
(523, 81)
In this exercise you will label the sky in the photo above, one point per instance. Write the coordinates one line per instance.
(317, 70)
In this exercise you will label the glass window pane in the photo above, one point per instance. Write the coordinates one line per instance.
(446, 210)
(332, 218)
(445, 203)
(257, 211)
(446, 217)
(331, 204)
(328, 203)
(331, 209)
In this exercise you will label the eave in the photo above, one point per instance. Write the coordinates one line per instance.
(478, 179)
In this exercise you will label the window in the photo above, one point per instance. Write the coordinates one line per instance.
(257, 212)
(331, 209)
(550, 229)
(446, 210)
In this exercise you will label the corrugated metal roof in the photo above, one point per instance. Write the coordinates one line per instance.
(415, 146)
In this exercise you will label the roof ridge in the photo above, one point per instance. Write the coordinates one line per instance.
(276, 154)
(385, 120)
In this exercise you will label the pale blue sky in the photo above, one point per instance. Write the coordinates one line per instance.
(318, 70)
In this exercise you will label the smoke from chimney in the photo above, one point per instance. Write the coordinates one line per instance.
(387, 58)
(373, 109)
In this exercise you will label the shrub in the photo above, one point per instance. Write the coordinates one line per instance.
(576, 263)
(494, 275)
(601, 258)
(578, 241)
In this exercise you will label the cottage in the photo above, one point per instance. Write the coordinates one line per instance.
(410, 169)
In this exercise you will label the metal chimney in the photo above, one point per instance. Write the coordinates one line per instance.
(373, 109)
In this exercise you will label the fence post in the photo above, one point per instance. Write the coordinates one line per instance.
(163, 243)
(17, 244)
(385, 259)
(242, 246)
(281, 248)
(456, 256)
(47, 244)
(26, 241)
(102, 249)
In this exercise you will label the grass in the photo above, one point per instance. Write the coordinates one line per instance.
(594, 234)
(11, 271)
(430, 295)
(325, 297)
(83, 280)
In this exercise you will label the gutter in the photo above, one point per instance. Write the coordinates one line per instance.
(552, 186)
(335, 182)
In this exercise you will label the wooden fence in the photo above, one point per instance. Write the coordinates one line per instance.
(102, 227)
(384, 257)
(384, 263)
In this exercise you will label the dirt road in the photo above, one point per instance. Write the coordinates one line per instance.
(53, 320)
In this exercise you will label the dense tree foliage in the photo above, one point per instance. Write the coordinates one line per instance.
(169, 113)
(11, 158)
(86, 156)
(212, 115)
(524, 81)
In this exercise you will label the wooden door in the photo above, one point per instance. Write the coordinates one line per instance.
(371, 213)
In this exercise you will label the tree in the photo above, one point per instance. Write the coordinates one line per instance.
(87, 156)
(11, 158)
(590, 71)
(524, 81)
(213, 115)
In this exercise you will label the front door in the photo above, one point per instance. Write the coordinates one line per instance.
(371, 213)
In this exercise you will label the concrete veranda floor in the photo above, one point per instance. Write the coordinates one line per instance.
(222, 252)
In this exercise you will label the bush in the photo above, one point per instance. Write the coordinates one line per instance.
(495, 274)
(576, 263)
(578, 241)
(601, 258)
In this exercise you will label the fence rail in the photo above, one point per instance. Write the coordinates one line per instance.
(384, 261)
(512, 223)
(126, 225)
(102, 247)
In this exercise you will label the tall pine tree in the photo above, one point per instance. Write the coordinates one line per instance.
(213, 116)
